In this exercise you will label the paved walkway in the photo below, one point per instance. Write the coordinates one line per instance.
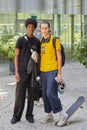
(75, 77)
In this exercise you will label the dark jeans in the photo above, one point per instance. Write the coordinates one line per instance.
(25, 83)
(49, 92)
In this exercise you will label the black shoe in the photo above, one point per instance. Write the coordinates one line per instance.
(14, 120)
(30, 119)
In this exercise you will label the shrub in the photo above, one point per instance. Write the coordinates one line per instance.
(8, 48)
(80, 51)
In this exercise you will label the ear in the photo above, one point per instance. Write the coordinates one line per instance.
(49, 29)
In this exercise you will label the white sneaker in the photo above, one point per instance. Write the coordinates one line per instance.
(62, 119)
(48, 118)
(39, 103)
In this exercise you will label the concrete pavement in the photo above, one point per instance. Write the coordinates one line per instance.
(75, 78)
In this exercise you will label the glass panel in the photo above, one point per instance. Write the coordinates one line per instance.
(77, 27)
(65, 34)
(7, 23)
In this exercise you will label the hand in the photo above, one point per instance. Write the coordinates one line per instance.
(17, 77)
(59, 77)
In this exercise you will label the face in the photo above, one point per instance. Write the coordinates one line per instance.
(30, 29)
(45, 30)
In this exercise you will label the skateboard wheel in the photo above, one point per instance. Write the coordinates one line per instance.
(81, 107)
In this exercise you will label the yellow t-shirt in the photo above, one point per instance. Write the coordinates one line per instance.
(48, 56)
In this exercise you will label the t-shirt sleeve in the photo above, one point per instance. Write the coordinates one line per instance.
(58, 46)
(19, 43)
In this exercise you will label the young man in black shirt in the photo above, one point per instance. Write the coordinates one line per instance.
(23, 54)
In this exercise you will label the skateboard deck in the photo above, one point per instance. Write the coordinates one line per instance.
(72, 109)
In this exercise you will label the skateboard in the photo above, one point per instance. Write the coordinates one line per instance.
(73, 108)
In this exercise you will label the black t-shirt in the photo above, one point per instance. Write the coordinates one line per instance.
(25, 52)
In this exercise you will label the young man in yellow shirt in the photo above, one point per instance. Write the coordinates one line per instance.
(50, 67)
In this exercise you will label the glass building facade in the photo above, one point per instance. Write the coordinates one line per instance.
(68, 18)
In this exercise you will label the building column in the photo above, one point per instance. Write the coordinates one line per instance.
(16, 17)
(58, 26)
(72, 33)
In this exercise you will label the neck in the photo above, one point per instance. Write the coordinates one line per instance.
(30, 35)
(46, 36)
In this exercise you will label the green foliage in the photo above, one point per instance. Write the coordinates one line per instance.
(80, 51)
(4, 39)
(8, 48)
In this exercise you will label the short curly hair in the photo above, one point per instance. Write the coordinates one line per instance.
(31, 21)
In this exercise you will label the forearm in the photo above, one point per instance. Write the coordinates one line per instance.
(59, 65)
(16, 64)
(59, 60)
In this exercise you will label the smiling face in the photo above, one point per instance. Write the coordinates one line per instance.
(30, 29)
(45, 29)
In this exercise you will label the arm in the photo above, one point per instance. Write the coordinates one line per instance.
(59, 60)
(17, 52)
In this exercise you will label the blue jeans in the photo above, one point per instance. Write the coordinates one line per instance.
(49, 92)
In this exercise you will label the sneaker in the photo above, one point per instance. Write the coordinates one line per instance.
(62, 119)
(48, 118)
(38, 103)
(14, 120)
(30, 119)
